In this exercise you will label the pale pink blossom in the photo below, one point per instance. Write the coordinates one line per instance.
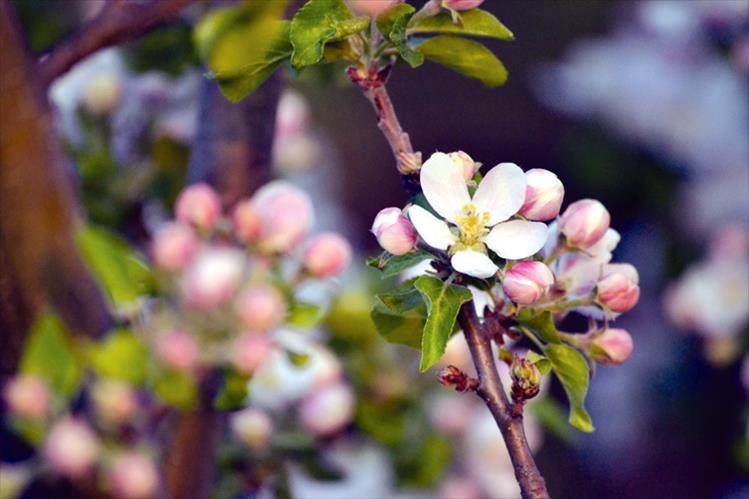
(612, 347)
(261, 307)
(371, 8)
(465, 163)
(71, 448)
(394, 231)
(618, 290)
(328, 254)
(198, 204)
(250, 351)
(584, 223)
(133, 476)
(28, 396)
(246, 221)
(174, 246)
(177, 349)
(543, 195)
(115, 400)
(462, 4)
(527, 282)
(285, 215)
(328, 410)
(253, 427)
(213, 277)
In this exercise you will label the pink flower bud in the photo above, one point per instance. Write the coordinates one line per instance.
(285, 215)
(394, 231)
(249, 352)
(463, 161)
(618, 290)
(246, 221)
(584, 223)
(253, 427)
(327, 255)
(199, 204)
(612, 347)
(544, 193)
(327, 411)
(261, 307)
(178, 350)
(213, 278)
(28, 396)
(371, 8)
(462, 4)
(115, 401)
(174, 246)
(71, 448)
(133, 476)
(526, 282)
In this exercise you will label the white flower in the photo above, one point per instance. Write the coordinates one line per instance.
(478, 222)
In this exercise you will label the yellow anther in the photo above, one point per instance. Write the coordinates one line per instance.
(472, 226)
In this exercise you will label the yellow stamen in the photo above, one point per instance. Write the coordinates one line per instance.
(472, 228)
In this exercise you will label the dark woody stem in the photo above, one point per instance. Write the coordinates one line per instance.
(490, 389)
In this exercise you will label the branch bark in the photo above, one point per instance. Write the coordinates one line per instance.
(510, 423)
(119, 21)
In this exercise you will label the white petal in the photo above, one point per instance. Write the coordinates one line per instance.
(432, 230)
(517, 238)
(501, 193)
(474, 264)
(603, 248)
(443, 185)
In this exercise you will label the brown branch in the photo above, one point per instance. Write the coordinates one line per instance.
(510, 422)
(118, 22)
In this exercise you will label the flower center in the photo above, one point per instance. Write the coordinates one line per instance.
(472, 228)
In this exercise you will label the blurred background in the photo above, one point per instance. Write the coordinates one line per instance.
(642, 105)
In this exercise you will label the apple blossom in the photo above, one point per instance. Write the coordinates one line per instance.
(326, 255)
(246, 221)
(466, 164)
(478, 222)
(177, 349)
(174, 246)
(213, 277)
(115, 401)
(394, 231)
(584, 223)
(618, 290)
(543, 195)
(612, 347)
(462, 4)
(133, 476)
(27, 395)
(526, 282)
(71, 448)
(260, 307)
(249, 351)
(200, 205)
(371, 8)
(102, 94)
(285, 215)
(328, 410)
(253, 427)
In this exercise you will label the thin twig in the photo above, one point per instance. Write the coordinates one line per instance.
(118, 22)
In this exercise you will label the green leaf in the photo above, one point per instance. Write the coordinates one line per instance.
(386, 19)
(542, 363)
(119, 269)
(399, 315)
(176, 388)
(350, 27)
(474, 22)
(466, 57)
(120, 355)
(49, 353)
(233, 392)
(316, 23)
(391, 265)
(297, 359)
(393, 25)
(304, 315)
(541, 324)
(572, 370)
(443, 302)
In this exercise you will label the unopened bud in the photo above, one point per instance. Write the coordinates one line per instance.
(246, 221)
(115, 401)
(371, 8)
(249, 352)
(102, 94)
(174, 246)
(285, 215)
(527, 282)
(133, 476)
(409, 162)
(612, 347)
(452, 376)
(71, 448)
(327, 255)
(198, 204)
(213, 278)
(526, 379)
(27, 396)
(394, 232)
(253, 427)
(618, 290)
(261, 307)
(584, 223)
(328, 410)
(544, 193)
(461, 4)
(463, 161)
(178, 350)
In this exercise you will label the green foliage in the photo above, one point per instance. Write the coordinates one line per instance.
(541, 324)
(176, 388)
(400, 315)
(304, 315)
(572, 370)
(474, 22)
(393, 25)
(467, 57)
(425, 460)
(552, 417)
(319, 22)
(387, 19)
(233, 392)
(542, 363)
(391, 265)
(443, 302)
(49, 353)
(120, 355)
(120, 271)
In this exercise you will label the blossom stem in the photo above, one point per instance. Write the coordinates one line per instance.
(510, 423)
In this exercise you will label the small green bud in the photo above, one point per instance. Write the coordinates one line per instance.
(526, 379)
